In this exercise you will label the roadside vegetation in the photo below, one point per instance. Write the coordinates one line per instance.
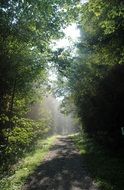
(105, 167)
(26, 30)
(20, 171)
(90, 79)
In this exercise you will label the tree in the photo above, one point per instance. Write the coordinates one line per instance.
(26, 29)
(94, 75)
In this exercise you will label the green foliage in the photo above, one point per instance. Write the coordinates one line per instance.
(19, 172)
(93, 77)
(103, 24)
(100, 79)
(26, 30)
(105, 168)
(20, 137)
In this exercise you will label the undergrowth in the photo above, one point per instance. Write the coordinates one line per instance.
(106, 168)
(26, 166)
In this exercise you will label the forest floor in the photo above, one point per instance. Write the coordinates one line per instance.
(62, 169)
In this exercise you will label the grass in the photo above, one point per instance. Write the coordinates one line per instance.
(105, 168)
(27, 165)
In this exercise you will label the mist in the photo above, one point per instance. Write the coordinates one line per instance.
(61, 123)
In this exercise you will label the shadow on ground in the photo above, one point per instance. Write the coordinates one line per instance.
(104, 165)
(63, 169)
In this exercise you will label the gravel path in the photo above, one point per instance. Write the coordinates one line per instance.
(62, 169)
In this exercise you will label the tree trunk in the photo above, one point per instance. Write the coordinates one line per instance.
(12, 98)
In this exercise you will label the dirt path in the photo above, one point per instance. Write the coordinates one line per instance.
(63, 169)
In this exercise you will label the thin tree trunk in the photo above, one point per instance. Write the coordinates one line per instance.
(12, 100)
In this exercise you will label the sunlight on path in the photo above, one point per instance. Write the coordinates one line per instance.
(62, 169)
(27, 165)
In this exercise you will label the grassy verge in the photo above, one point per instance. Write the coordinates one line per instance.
(105, 168)
(27, 165)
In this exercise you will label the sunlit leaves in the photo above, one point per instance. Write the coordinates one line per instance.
(27, 28)
(94, 77)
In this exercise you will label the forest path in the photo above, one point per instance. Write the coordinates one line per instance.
(63, 169)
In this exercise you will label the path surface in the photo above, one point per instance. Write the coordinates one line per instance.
(62, 169)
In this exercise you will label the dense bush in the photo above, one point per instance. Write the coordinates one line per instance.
(20, 138)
